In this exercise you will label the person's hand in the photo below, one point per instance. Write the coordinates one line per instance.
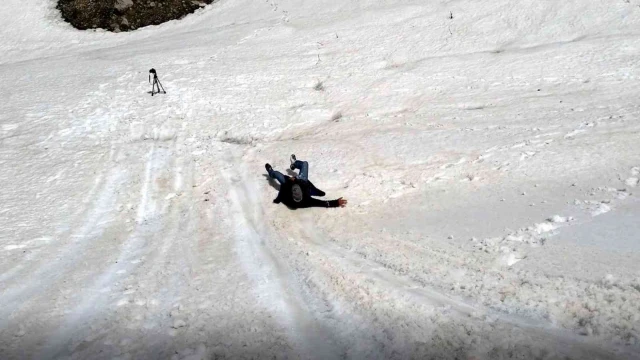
(342, 202)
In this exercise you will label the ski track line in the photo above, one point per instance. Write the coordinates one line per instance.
(178, 271)
(269, 274)
(94, 300)
(378, 271)
(49, 274)
(421, 294)
(34, 254)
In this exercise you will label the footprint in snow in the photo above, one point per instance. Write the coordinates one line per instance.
(573, 133)
(602, 208)
(632, 181)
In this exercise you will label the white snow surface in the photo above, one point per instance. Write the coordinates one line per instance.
(476, 142)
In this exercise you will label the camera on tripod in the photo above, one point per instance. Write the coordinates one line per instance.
(156, 83)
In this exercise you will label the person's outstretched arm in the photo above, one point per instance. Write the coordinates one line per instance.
(327, 203)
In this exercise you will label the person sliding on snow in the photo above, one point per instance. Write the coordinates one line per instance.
(296, 192)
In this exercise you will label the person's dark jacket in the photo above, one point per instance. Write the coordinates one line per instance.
(296, 194)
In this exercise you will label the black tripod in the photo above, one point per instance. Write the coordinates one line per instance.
(156, 82)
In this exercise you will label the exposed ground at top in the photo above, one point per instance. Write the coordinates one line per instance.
(125, 15)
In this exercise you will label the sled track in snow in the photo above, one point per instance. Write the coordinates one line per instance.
(274, 281)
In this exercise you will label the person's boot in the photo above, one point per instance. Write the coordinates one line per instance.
(293, 162)
(268, 167)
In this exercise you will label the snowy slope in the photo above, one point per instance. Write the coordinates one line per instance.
(491, 162)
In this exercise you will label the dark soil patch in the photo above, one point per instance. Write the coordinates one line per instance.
(125, 15)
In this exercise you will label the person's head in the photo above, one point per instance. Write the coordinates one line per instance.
(296, 193)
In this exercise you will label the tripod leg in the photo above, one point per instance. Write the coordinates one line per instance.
(160, 86)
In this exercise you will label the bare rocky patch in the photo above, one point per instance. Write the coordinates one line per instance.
(125, 15)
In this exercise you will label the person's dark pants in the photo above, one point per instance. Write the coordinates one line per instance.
(277, 175)
(303, 166)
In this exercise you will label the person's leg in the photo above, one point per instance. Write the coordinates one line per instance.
(303, 166)
(277, 175)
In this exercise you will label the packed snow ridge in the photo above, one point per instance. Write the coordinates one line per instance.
(488, 150)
